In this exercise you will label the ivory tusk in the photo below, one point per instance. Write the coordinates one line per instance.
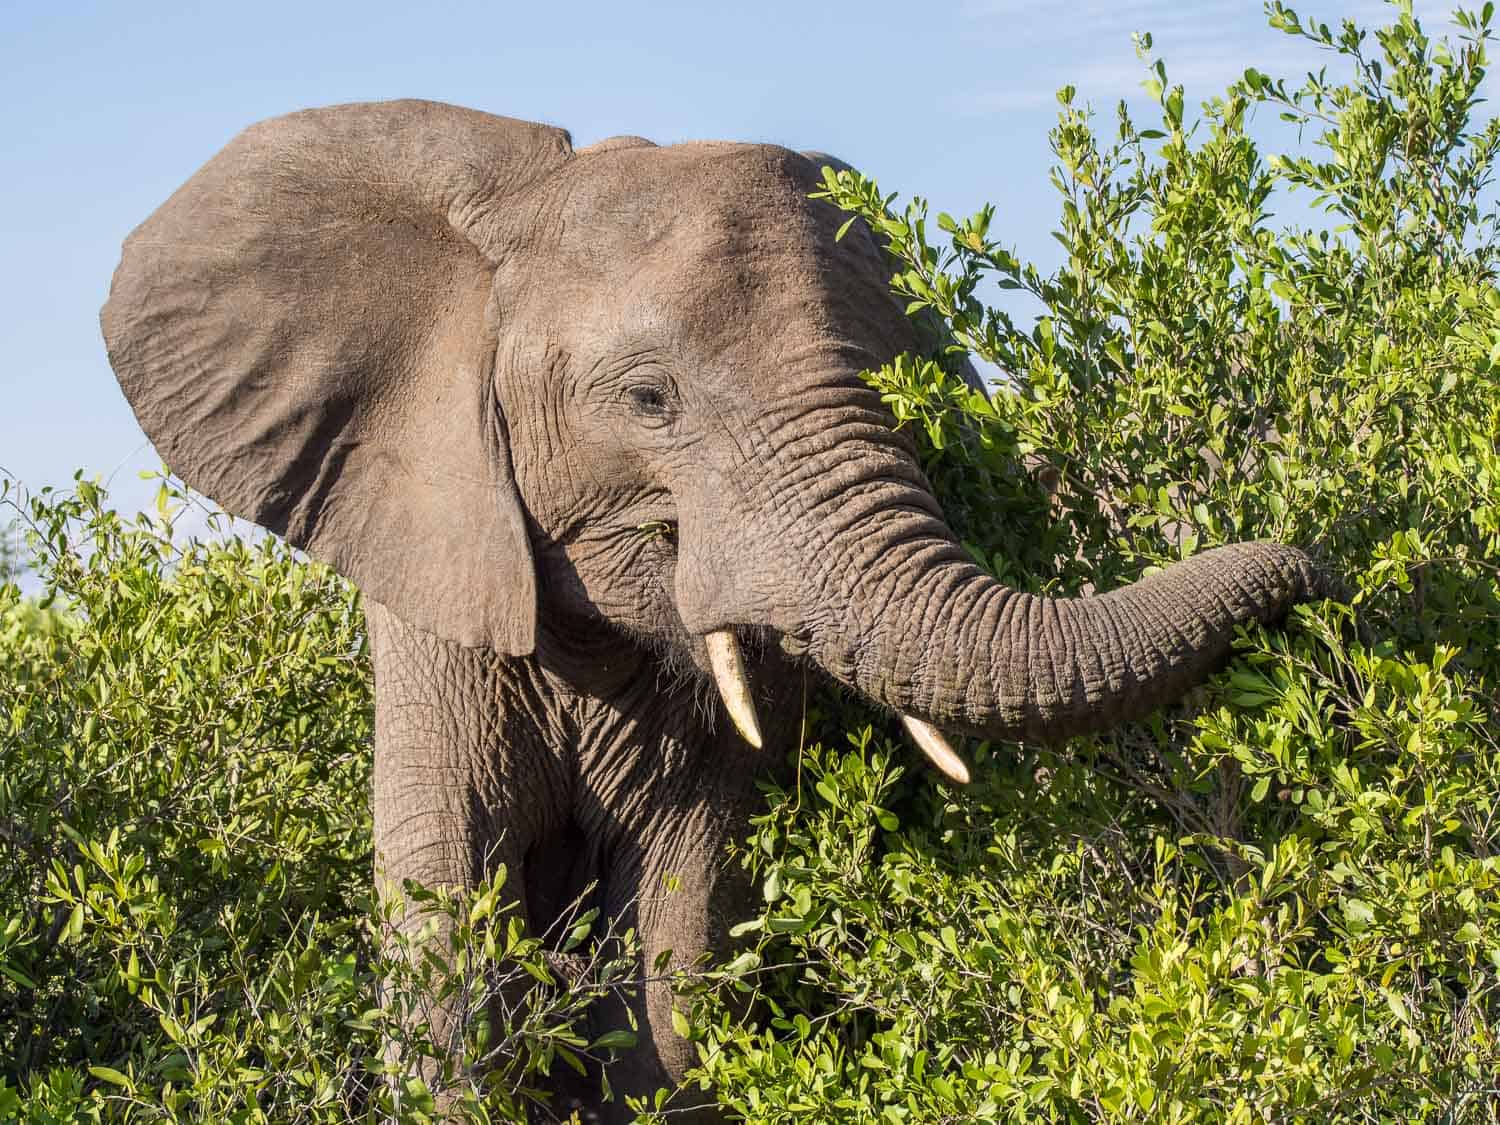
(931, 742)
(734, 689)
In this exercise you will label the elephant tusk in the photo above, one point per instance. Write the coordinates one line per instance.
(734, 689)
(932, 742)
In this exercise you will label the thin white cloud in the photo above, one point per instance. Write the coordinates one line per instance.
(1205, 45)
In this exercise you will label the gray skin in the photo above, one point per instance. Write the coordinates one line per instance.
(465, 364)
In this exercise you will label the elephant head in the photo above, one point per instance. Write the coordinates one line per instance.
(514, 391)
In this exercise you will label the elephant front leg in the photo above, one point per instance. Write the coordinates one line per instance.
(435, 998)
(454, 798)
(672, 881)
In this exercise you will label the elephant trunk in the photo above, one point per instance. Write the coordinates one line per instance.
(933, 637)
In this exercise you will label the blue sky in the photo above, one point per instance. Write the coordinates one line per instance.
(107, 108)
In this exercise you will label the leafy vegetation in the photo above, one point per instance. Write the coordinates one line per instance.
(186, 931)
(1276, 902)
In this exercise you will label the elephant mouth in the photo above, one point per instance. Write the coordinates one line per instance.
(658, 530)
(727, 664)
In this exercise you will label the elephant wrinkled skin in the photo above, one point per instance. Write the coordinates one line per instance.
(578, 423)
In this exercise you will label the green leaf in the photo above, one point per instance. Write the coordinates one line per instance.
(617, 1040)
(17, 975)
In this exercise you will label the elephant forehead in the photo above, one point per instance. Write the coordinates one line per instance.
(719, 246)
(756, 316)
(633, 196)
(765, 301)
(738, 215)
(748, 308)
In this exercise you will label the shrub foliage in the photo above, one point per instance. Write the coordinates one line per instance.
(186, 931)
(1277, 901)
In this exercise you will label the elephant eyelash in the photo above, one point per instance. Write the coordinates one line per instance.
(647, 399)
(651, 402)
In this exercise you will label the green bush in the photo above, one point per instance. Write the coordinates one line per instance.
(1278, 902)
(1275, 902)
(185, 856)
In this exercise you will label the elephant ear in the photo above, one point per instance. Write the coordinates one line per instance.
(303, 331)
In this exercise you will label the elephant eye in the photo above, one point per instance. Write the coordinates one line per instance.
(650, 401)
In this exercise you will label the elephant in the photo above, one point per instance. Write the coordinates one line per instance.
(587, 430)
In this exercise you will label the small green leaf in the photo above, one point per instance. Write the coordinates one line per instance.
(617, 1040)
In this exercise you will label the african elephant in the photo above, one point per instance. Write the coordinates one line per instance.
(587, 429)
